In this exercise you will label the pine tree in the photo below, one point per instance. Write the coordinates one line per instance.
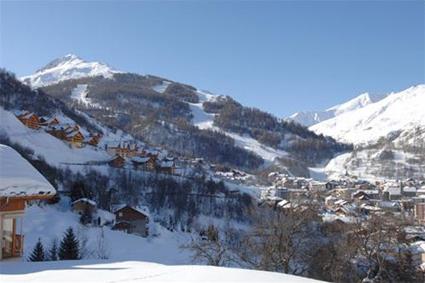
(53, 252)
(38, 252)
(69, 246)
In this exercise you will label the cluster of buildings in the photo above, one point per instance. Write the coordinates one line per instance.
(70, 133)
(351, 198)
(127, 154)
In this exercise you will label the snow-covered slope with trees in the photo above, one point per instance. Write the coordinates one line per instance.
(396, 112)
(309, 118)
(68, 67)
(53, 150)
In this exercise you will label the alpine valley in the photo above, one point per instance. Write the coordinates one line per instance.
(149, 169)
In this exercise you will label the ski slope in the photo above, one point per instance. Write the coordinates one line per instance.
(204, 120)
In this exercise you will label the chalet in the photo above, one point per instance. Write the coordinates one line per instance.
(58, 131)
(75, 138)
(123, 149)
(29, 119)
(83, 205)
(131, 220)
(19, 183)
(165, 166)
(143, 163)
(117, 161)
(48, 122)
(94, 139)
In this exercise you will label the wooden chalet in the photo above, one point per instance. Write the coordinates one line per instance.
(166, 166)
(29, 119)
(143, 163)
(48, 122)
(82, 205)
(131, 220)
(117, 161)
(74, 137)
(19, 184)
(94, 139)
(123, 149)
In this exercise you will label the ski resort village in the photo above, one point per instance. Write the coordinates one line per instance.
(304, 161)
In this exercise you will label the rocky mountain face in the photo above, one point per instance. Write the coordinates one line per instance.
(182, 118)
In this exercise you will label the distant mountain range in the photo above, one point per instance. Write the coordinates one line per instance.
(309, 118)
(183, 119)
(367, 118)
(190, 122)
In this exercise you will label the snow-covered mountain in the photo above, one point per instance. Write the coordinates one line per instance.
(309, 118)
(395, 113)
(65, 68)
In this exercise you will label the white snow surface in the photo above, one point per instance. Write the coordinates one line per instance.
(52, 149)
(18, 177)
(68, 67)
(309, 118)
(79, 93)
(134, 271)
(130, 258)
(396, 112)
(161, 87)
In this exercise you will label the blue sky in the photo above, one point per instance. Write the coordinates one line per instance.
(280, 56)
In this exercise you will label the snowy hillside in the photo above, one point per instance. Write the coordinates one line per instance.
(55, 151)
(396, 112)
(309, 118)
(135, 271)
(204, 120)
(68, 67)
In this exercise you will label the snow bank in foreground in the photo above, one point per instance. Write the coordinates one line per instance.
(134, 271)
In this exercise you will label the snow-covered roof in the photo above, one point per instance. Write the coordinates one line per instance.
(167, 164)
(139, 159)
(409, 189)
(141, 209)
(18, 178)
(89, 201)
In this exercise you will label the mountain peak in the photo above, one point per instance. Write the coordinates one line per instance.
(67, 67)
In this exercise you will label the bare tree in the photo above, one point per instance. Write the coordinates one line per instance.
(209, 248)
(281, 240)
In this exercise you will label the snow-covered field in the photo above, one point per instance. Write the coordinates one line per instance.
(134, 271)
